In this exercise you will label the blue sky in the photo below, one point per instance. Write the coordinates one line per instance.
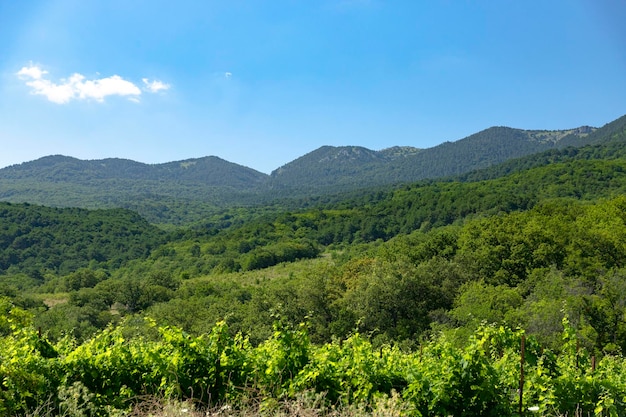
(260, 83)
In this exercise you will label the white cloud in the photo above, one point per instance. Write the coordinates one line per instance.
(77, 87)
(54, 92)
(33, 72)
(155, 86)
(99, 89)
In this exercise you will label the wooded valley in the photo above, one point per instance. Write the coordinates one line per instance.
(423, 293)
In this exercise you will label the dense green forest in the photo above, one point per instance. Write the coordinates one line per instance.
(422, 297)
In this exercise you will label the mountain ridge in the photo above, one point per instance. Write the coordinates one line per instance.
(203, 168)
(180, 192)
(366, 167)
(390, 153)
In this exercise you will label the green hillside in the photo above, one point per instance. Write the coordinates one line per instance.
(172, 193)
(604, 143)
(417, 297)
(52, 244)
(37, 240)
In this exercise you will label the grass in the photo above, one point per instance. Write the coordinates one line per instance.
(307, 404)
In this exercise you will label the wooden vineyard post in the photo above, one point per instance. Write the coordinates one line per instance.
(593, 364)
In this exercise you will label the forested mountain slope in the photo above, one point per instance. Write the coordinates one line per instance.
(606, 142)
(36, 240)
(258, 237)
(208, 171)
(339, 168)
(185, 192)
(172, 193)
(275, 238)
(247, 239)
(346, 168)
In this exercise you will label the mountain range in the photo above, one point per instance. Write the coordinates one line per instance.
(182, 191)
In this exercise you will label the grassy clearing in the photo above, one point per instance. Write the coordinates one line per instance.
(280, 271)
(53, 299)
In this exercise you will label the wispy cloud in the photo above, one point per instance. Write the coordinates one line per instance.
(155, 86)
(78, 87)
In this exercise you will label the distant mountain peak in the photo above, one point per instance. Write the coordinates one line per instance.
(209, 170)
(347, 167)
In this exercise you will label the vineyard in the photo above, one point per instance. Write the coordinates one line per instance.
(500, 372)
